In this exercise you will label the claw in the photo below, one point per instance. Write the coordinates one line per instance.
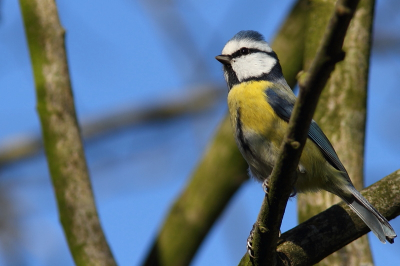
(265, 186)
(250, 250)
(301, 169)
(294, 192)
(249, 244)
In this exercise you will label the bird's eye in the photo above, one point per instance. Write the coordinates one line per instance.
(244, 51)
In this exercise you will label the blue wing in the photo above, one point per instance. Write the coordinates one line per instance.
(283, 107)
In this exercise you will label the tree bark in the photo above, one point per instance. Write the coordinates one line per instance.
(61, 136)
(341, 114)
(313, 240)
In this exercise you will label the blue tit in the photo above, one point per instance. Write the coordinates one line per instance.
(260, 104)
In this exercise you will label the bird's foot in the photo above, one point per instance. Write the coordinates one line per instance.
(265, 187)
(249, 244)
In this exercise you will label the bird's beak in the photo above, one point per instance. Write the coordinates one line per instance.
(224, 59)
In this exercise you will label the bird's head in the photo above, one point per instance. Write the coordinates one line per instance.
(247, 56)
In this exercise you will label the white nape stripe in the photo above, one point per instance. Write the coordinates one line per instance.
(252, 65)
(234, 45)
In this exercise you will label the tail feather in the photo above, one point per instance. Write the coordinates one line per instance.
(371, 217)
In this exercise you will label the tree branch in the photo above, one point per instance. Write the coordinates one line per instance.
(311, 241)
(307, 243)
(216, 179)
(200, 98)
(341, 114)
(283, 175)
(218, 176)
(62, 141)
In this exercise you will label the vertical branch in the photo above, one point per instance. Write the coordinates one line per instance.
(62, 141)
(341, 113)
(283, 176)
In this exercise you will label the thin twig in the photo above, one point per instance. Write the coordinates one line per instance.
(200, 99)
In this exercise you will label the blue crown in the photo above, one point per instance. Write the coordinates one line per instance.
(248, 34)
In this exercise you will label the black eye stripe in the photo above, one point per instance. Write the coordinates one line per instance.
(239, 52)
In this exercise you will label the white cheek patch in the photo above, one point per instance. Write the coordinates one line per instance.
(252, 65)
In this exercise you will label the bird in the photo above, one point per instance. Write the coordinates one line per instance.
(260, 104)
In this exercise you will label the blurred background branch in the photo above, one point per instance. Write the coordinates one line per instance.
(61, 135)
(182, 48)
(197, 99)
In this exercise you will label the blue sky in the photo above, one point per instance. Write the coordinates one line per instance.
(120, 56)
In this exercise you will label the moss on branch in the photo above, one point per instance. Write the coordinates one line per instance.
(61, 135)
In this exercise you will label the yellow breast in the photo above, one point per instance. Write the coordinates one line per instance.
(263, 131)
(250, 100)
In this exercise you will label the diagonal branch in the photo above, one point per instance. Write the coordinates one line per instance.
(197, 100)
(321, 235)
(61, 135)
(332, 229)
(283, 176)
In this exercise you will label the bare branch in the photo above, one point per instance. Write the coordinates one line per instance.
(307, 244)
(199, 99)
(62, 141)
(216, 179)
(341, 114)
(283, 175)
(332, 229)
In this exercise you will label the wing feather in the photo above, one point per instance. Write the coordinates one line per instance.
(283, 107)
